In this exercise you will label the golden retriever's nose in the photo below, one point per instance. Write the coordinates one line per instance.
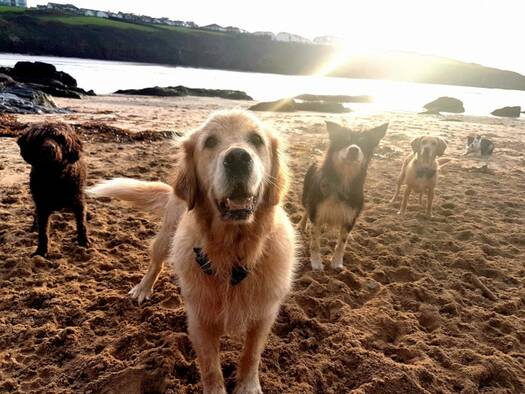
(238, 162)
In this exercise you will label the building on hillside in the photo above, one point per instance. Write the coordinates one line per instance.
(232, 29)
(14, 3)
(115, 15)
(87, 12)
(214, 27)
(288, 37)
(268, 34)
(191, 25)
(63, 7)
(102, 14)
(328, 40)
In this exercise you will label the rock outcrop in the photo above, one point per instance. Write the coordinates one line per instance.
(291, 105)
(445, 104)
(46, 78)
(508, 112)
(335, 98)
(178, 91)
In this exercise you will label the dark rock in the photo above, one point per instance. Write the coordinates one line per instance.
(322, 106)
(509, 112)
(19, 98)
(283, 105)
(6, 79)
(334, 98)
(36, 71)
(45, 77)
(177, 91)
(290, 105)
(445, 104)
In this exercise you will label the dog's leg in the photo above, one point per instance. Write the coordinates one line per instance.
(80, 216)
(34, 226)
(248, 368)
(205, 339)
(399, 183)
(43, 228)
(159, 253)
(337, 261)
(404, 203)
(303, 222)
(315, 248)
(396, 193)
(430, 198)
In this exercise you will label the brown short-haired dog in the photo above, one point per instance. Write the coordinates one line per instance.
(419, 171)
(57, 176)
(226, 236)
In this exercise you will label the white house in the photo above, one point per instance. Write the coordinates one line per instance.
(328, 40)
(214, 27)
(14, 3)
(102, 14)
(87, 12)
(268, 34)
(288, 37)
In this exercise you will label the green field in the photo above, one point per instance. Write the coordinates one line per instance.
(94, 21)
(4, 8)
(181, 29)
(103, 22)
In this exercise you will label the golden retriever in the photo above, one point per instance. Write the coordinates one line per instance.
(226, 236)
(420, 170)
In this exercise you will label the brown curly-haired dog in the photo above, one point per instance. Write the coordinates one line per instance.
(57, 178)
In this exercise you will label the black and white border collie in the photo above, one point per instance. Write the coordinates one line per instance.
(479, 145)
(333, 192)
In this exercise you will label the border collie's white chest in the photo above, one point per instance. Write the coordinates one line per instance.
(335, 212)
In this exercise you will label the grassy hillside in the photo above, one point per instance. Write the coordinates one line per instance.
(44, 33)
(94, 21)
(7, 9)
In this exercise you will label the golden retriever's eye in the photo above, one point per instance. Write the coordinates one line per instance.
(211, 142)
(256, 140)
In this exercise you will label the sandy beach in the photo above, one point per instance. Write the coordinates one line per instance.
(405, 315)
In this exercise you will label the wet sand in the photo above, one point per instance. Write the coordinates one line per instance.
(405, 315)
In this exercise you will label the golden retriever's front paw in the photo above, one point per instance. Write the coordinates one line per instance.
(215, 389)
(140, 292)
(251, 387)
(337, 262)
(317, 264)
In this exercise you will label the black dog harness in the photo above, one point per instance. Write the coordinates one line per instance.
(239, 272)
(425, 173)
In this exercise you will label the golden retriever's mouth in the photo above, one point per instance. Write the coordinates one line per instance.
(237, 209)
(238, 206)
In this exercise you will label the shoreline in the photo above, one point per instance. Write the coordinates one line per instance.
(170, 65)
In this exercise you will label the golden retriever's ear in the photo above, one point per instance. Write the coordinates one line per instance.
(442, 145)
(416, 144)
(185, 184)
(278, 183)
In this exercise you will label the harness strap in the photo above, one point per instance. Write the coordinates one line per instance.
(239, 272)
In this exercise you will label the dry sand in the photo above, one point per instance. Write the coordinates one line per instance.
(403, 316)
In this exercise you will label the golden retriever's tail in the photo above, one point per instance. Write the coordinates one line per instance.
(150, 196)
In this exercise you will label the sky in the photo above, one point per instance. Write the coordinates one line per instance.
(488, 32)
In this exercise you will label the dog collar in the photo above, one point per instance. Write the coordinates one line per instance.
(239, 272)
